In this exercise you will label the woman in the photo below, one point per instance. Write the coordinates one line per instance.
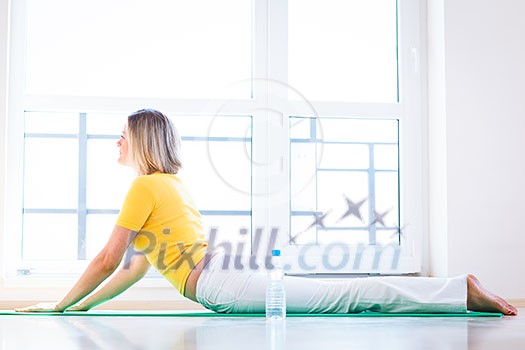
(160, 221)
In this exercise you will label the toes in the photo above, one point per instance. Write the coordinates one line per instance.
(512, 310)
(507, 308)
(480, 299)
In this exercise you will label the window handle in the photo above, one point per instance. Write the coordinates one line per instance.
(414, 52)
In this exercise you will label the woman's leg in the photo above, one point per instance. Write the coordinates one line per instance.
(243, 291)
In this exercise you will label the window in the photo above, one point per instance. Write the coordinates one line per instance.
(301, 126)
(345, 181)
(73, 188)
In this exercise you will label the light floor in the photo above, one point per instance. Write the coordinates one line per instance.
(72, 332)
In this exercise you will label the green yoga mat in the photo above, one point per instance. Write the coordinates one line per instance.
(156, 313)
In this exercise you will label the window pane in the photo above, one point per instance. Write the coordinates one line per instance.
(300, 128)
(105, 123)
(339, 192)
(386, 237)
(216, 159)
(107, 181)
(217, 166)
(343, 50)
(303, 188)
(302, 231)
(50, 237)
(332, 191)
(212, 177)
(386, 157)
(159, 49)
(51, 123)
(344, 156)
(214, 126)
(231, 231)
(98, 230)
(51, 173)
(344, 237)
(357, 130)
(387, 198)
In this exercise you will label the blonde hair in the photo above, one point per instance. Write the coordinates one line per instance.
(153, 142)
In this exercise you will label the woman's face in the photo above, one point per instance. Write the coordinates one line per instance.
(123, 148)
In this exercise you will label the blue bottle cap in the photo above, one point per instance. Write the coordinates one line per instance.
(276, 252)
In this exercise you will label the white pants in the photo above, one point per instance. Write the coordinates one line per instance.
(243, 291)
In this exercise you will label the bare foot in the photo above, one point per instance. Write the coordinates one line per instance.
(480, 299)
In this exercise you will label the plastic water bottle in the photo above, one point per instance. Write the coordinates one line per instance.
(275, 293)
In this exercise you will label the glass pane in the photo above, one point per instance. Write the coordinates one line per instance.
(343, 237)
(98, 230)
(231, 232)
(213, 126)
(337, 194)
(50, 237)
(343, 50)
(386, 237)
(107, 181)
(386, 199)
(304, 171)
(333, 191)
(193, 126)
(386, 157)
(302, 231)
(344, 156)
(300, 128)
(215, 171)
(50, 173)
(105, 123)
(51, 123)
(151, 49)
(357, 130)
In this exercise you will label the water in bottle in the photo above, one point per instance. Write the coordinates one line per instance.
(275, 293)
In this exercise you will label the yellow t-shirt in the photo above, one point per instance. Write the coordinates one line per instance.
(159, 207)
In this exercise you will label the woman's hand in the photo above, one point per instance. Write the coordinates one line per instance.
(40, 307)
(78, 307)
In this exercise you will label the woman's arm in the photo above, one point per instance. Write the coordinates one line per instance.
(102, 266)
(122, 280)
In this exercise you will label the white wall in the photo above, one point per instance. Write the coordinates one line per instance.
(3, 112)
(477, 119)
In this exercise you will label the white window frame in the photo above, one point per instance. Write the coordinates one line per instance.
(409, 112)
(270, 131)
